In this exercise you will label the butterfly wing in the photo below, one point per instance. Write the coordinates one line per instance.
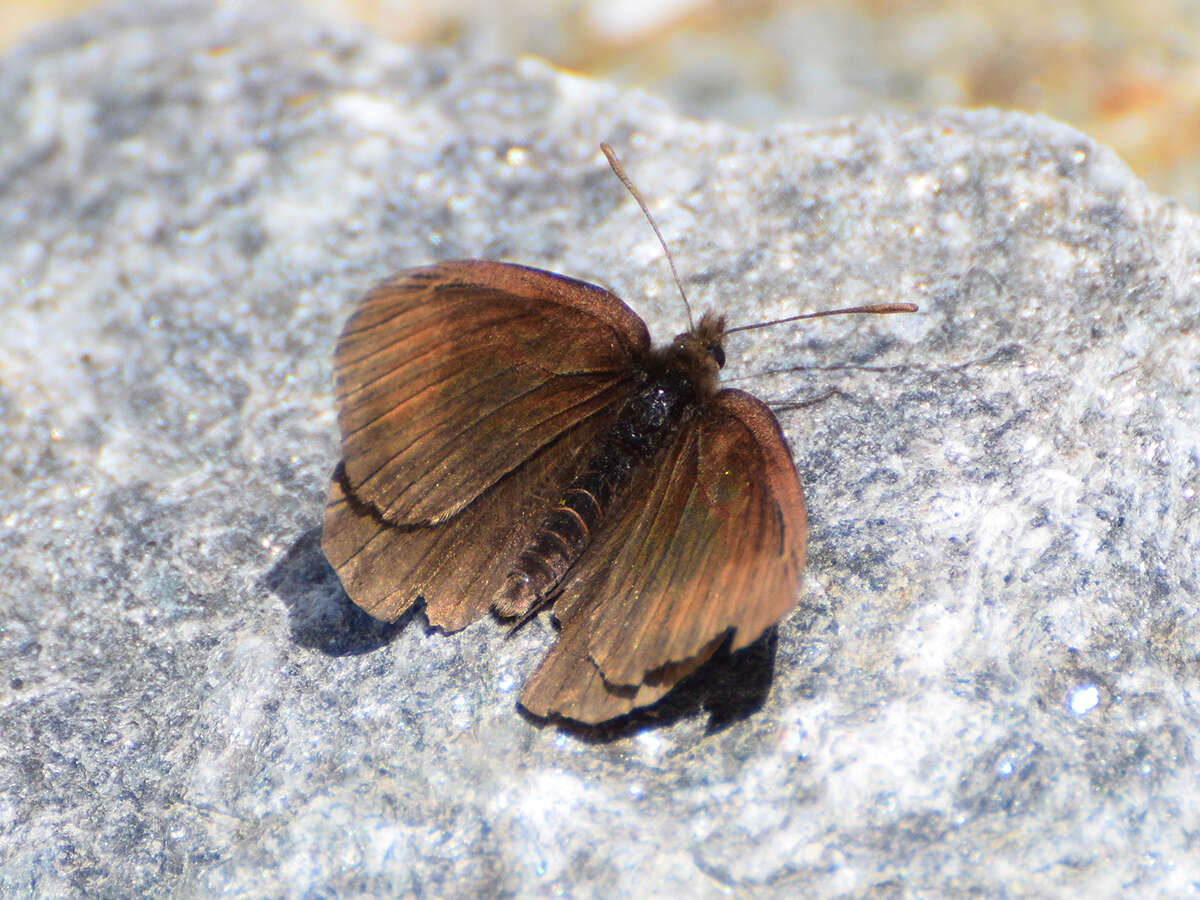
(449, 377)
(709, 541)
(466, 394)
(569, 684)
(459, 564)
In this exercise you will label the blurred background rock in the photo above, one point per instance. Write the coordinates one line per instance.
(1127, 74)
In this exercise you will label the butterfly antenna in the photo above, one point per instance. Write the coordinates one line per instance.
(619, 171)
(875, 308)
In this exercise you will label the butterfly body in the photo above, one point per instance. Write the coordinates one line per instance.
(511, 439)
(677, 381)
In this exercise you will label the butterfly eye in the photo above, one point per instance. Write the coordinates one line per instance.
(717, 352)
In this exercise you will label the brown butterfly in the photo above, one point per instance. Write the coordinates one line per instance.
(511, 440)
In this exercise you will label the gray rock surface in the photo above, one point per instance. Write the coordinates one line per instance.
(992, 682)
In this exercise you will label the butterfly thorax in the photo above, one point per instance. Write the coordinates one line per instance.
(678, 379)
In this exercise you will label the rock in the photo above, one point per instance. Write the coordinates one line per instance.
(989, 684)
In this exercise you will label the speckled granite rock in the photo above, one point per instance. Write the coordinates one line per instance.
(991, 683)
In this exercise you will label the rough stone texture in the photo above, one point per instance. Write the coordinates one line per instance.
(991, 684)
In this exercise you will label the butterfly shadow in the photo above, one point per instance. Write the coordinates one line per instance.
(320, 614)
(730, 687)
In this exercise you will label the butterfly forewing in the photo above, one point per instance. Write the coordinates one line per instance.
(710, 541)
(450, 377)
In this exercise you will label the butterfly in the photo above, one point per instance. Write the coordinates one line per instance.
(512, 440)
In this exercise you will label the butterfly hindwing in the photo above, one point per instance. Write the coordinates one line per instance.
(456, 565)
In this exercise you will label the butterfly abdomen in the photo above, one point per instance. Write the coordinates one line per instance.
(643, 426)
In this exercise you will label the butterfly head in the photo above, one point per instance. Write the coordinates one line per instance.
(710, 334)
(699, 353)
(707, 339)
